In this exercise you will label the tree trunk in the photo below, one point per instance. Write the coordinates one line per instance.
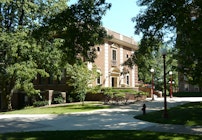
(3, 101)
(9, 101)
(6, 101)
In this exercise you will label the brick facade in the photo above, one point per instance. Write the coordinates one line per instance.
(110, 57)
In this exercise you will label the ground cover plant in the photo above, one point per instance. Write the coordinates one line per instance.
(61, 109)
(188, 114)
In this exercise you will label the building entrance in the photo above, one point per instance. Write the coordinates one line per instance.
(114, 82)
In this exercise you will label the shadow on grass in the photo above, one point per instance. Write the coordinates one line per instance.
(188, 114)
(84, 135)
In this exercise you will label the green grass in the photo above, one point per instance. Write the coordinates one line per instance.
(69, 108)
(98, 135)
(187, 114)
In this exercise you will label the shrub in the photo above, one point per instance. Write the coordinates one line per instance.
(108, 94)
(58, 100)
(40, 103)
(119, 97)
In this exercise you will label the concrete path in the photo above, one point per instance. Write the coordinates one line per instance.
(120, 118)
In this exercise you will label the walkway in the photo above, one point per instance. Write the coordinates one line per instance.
(120, 118)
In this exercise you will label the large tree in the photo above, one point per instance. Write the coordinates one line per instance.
(148, 59)
(79, 27)
(23, 58)
(39, 37)
(177, 23)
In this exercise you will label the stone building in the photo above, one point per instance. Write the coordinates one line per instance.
(110, 58)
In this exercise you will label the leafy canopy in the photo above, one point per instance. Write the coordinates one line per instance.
(24, 57)
(177, 23)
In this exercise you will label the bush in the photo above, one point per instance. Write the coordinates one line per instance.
(58, 100)
(119, 97)
(40, 103)
(108, 94)
(143, 93)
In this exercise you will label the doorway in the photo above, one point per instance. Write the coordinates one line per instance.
(114, 81)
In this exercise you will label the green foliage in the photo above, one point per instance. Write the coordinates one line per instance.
(40, 37)
(108, 94)
(154, 60)
(130, 91)
(58, 100)
(23, 57)
(120, 94)
(80, 77)
(119, 97)
(174, 23)
(40, 103)
(80, 28)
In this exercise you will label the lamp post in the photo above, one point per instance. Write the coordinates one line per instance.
(171, 90)
(152, 88)
(164, 52)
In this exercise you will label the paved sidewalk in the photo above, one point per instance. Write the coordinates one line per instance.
(120, 118)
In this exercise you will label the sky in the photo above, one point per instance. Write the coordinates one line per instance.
(119, 17)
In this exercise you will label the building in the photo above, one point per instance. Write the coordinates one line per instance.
(110, 58)
(109, 62)
(185, 86)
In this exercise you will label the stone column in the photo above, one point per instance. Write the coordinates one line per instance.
(50, 96)
(63, 94)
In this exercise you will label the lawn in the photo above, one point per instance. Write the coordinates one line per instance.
(98, 135)
(187, 114)
(63, 109)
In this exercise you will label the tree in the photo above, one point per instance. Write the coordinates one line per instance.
(153, 59)
(24, 57)
(39, 37)
(80, 78)
(178, 22)
(79, 27)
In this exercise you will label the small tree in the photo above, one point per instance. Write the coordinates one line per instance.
(80, 78)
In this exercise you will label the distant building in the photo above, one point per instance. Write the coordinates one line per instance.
(184, 86)
(110, 57)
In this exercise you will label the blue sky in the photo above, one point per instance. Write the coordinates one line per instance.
(118, 18)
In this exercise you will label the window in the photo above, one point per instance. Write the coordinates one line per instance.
(113, 54)
(127, 55)
(99, 80)
(127, 80)
(98, 49)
